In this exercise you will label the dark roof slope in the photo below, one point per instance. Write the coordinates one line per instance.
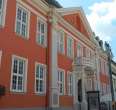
(54, 3)
(113, 62)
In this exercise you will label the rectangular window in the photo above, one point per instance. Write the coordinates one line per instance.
(22, 21)
(100, 65)
(40, 78)
(61, 42)
(61, 80)
(106, 68)
(89, 84)
(41, 32)
(2, 11)
(79, 50)
(101, 89)
(88, 53)
(70, 83)
(19, 69)
(70, 47)
(0, 57)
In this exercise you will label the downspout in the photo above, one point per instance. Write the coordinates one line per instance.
(110, 73)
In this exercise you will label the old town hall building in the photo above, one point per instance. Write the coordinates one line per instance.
(49, 57)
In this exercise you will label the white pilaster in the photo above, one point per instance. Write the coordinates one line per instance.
(97, 70)
(54, 75)
(84, 101)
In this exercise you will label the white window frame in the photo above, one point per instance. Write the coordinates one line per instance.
(61, 44)
(79, 51)
(104, 88)
(0, 57)
(25, 74)
(71, 55)
(89, 84)
(106, 68)
(88, 53)
(70, 83)
(102, 66)
(44, 78)
(3, 13)
(28, 21)
(63, 82)
(41, 21)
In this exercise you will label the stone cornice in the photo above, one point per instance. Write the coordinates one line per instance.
(41, 6)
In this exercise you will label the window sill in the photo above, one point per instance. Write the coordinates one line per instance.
(62, 94)
(21, 36)
(61, 53)
(43, 46)
(70, 57)
(17, 92)
(40, 94)
(1, 26)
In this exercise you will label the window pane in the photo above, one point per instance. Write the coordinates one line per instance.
(61, 81)
(14, 82)
(42, 28)
(42, 39)
(15, 66)
(20, 83)
(24, 17)
(41, 86)
(39, 27)
(1, 3)
(37, 72)
(23, 30)
(41, 72)
(18, 27)
(37, 85)
(19, 12)
(1, 11)
(61, 88)
(21, 65)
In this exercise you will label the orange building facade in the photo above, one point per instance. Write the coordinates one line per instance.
(44, 52)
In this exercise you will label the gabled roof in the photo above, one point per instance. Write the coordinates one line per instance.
(79, 10)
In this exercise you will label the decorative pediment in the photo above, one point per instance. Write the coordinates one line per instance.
(76, 17)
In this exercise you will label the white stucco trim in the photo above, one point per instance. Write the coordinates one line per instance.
(44, 66)
(4, 13)
(25, 75)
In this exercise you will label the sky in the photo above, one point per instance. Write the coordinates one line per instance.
(101, 15)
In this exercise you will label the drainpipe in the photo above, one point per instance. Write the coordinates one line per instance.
(110, 73)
